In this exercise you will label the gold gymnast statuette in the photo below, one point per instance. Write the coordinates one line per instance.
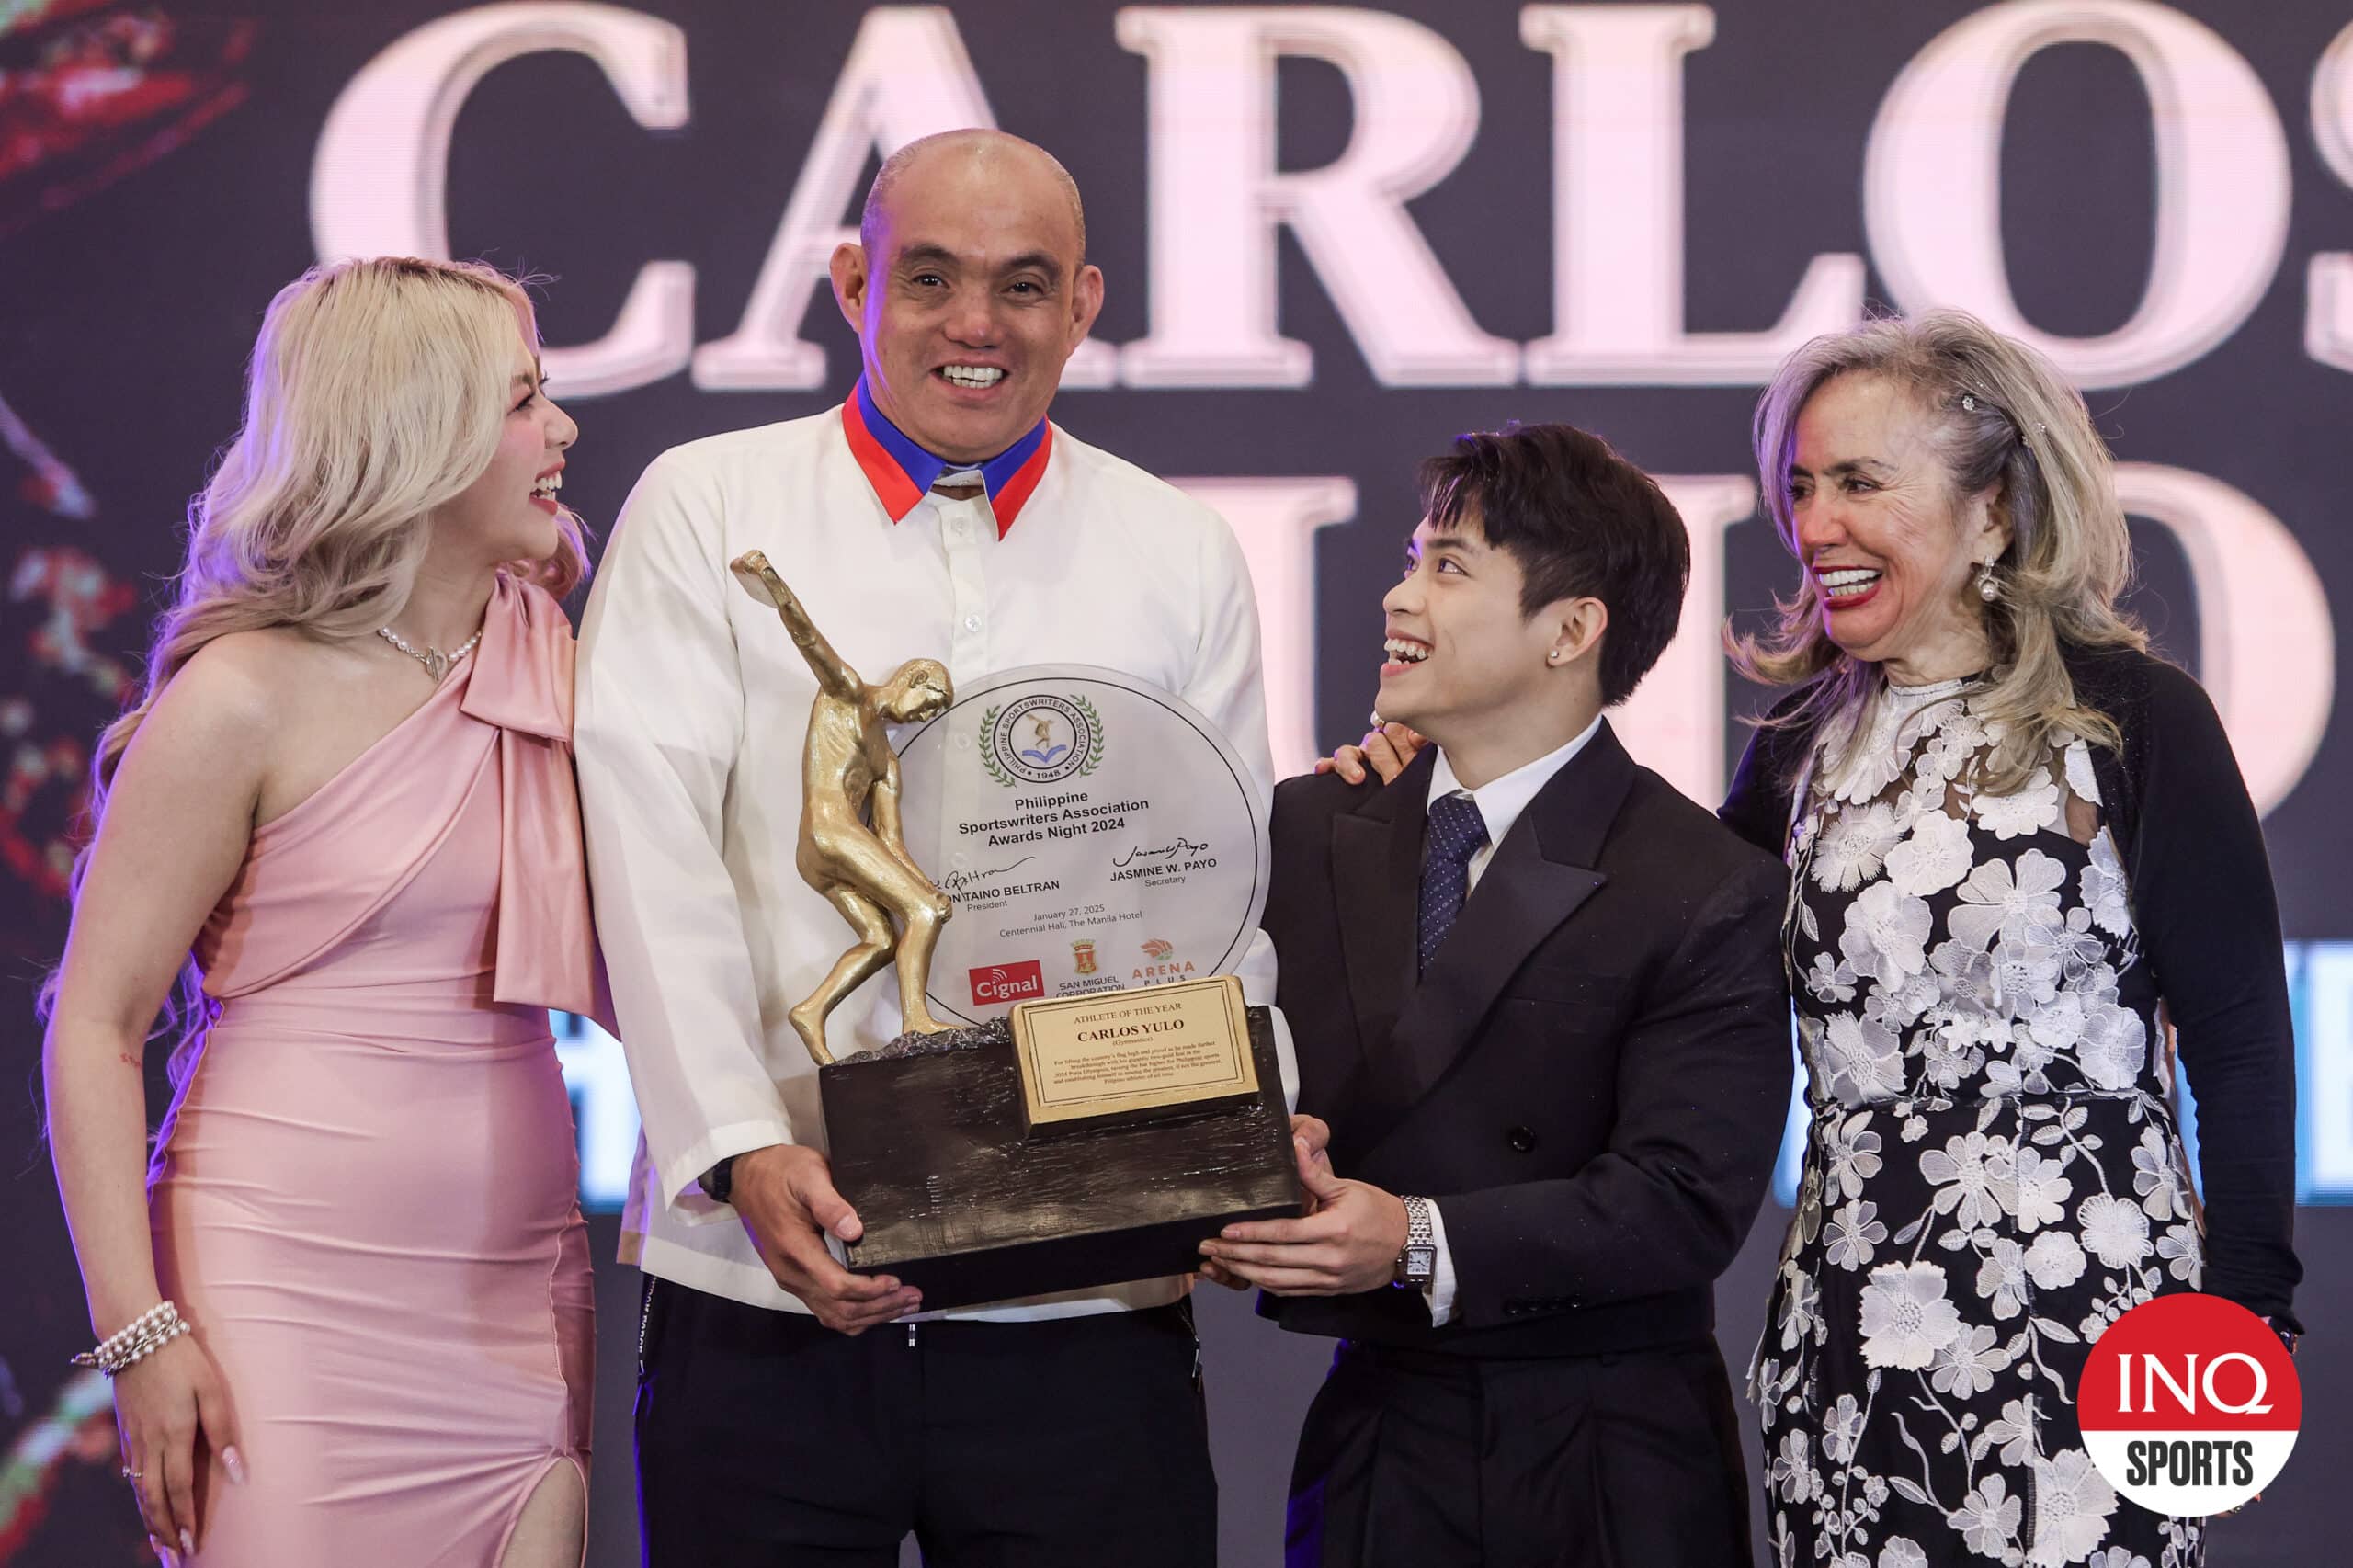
(849, 774)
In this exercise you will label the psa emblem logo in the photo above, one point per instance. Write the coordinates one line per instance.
(1041, 739)
(1007, 983)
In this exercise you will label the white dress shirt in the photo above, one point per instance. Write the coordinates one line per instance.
(691, 711)
(1500, 802)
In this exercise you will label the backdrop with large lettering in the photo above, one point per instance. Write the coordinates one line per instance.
(1334, 236)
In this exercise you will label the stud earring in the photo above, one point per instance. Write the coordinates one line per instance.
(1553, 657)
(1988, 588)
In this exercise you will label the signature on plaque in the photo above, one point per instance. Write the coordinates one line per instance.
(964, 881)
(1173, 852)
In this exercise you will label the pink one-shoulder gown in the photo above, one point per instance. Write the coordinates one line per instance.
(365, 1196)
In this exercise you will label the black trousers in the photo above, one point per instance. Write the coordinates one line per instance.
(1416, 1459)
(767, 1440)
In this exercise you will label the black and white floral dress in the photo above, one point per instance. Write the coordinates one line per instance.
(1993, 1174)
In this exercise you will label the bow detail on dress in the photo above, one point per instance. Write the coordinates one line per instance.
(521, 682)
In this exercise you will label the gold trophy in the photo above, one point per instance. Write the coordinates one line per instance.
(849, 774)
(1086, 1140)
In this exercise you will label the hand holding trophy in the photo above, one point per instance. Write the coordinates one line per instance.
(1099, 1132)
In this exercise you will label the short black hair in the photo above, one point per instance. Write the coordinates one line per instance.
(1581, 521)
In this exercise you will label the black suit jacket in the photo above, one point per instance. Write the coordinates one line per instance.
(1591, 1077)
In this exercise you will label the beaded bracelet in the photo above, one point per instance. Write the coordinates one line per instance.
(161, 1312)
(133, 1343)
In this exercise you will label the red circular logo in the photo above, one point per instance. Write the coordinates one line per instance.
(2188, 1404)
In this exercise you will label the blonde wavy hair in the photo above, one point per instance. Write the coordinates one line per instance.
(2022, 434)
(377, 392)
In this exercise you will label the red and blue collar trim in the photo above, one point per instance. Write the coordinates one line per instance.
(902, 472)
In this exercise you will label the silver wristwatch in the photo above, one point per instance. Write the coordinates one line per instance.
(1417, 1260)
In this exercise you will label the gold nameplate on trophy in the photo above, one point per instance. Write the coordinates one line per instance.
(1118, 1056)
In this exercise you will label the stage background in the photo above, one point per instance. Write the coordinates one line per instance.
(1333, 236)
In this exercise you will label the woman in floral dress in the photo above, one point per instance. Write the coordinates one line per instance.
(2024, 864)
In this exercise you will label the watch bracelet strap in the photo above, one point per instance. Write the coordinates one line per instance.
(1419, 1233)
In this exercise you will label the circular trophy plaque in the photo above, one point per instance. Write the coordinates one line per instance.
(1095, 833)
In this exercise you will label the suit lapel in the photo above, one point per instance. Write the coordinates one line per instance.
(1376, 877)
(1540, 874)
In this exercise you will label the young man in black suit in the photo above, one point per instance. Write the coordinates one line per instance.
(1540, 991)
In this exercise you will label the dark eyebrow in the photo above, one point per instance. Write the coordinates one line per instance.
(1849, 465)
(928, 256)
(1035, 261)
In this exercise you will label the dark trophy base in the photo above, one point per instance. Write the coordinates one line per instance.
(958, 1200)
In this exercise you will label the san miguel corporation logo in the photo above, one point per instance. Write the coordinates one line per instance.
(1007, 983)
(2190, 1404)
(1041, 739)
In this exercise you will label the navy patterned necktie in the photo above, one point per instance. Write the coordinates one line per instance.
(1457, 832)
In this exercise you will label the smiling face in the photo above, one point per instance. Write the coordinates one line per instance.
(1462, 663)
(1891, 547)
(508, 513)
(968, 294)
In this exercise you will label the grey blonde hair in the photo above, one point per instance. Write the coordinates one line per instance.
(377, 392)
(2009, 424)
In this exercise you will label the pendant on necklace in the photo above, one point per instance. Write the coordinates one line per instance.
(436, 662)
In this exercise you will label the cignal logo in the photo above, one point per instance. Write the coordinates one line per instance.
(2190, 1404)
(1007, 983)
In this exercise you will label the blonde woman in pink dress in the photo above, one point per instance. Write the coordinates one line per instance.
(348, 1306)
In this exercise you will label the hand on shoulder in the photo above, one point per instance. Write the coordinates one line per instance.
(1386, 751)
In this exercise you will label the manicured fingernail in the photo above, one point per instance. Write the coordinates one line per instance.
(188, 1542)
(234, 1463)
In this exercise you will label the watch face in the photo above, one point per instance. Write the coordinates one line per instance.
(1421, 1262)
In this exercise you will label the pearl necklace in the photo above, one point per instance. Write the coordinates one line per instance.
(436, 662)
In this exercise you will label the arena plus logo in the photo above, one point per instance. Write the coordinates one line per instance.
(2190, 1404)
(1007, 983)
